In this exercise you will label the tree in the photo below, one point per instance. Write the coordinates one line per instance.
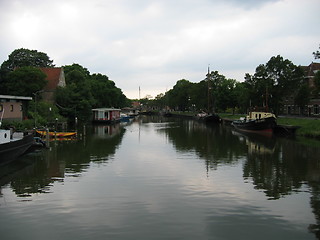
(316, 54)
(241, 93)
(25, 81)
(24, 57)
(21, 58)
(85, 91)
(179, 96)
(278, 78)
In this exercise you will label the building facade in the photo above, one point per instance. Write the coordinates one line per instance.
(13, 108)
(55, 78)
(312, 109)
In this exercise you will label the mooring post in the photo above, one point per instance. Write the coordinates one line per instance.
(47, 137)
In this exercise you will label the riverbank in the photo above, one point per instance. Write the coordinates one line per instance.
(309, 127)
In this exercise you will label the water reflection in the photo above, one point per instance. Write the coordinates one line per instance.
(163, 189)
(36, 172)
(277, 166)
(215, 144)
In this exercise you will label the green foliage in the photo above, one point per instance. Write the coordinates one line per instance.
(24, 57)
(84, 91)
(276, 80)
(17, 59)
(25, 81)
(43, 113)
(18, 125)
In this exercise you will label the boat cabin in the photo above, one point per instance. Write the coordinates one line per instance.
(259, 115)
(106, 115)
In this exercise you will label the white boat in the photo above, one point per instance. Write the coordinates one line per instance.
(13, 145)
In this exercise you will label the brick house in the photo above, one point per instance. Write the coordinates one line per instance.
(55, 78)
(13, 107)
(313, 107)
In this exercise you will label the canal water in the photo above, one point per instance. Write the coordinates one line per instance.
(159, 178)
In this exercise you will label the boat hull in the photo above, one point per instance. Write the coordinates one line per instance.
(12, 150)
(57, 134)
(211, 118)
(257, 125)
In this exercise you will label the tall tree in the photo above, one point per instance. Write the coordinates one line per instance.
(25, 81)
(21, 58)
(278, 78)
(24, 57)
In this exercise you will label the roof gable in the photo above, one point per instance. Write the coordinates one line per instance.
(311, 70)
(55, 78)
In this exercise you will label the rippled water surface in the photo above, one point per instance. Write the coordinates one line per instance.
(160, 178)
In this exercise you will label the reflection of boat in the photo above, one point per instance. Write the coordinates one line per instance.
(13, 145)
(56, 134)
(256, 121)
(257, 144)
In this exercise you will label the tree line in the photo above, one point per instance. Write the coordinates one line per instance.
(20, 75)
(275, 82)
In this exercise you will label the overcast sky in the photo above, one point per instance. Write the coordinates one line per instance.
(155, 43)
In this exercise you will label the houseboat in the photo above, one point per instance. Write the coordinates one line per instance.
(106, 115)
(257, 121)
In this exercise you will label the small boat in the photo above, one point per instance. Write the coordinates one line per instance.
(257, 121)
(124, 117)
(13, 145)
(208, 118)
(56, 134)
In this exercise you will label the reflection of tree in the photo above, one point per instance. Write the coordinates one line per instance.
(278, 172)
(283, 167)
(209, 142)
(63, 157)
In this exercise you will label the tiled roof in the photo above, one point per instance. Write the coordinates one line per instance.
(311, 69)
(53, 76)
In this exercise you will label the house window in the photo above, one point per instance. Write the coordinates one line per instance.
(11, 108)
(316, 109)
(1, 107)
(21, 108)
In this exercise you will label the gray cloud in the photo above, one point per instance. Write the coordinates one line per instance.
(153, 44)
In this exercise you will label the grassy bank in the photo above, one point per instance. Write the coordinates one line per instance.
(309, 127)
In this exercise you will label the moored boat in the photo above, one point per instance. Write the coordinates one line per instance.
(106, 115)
(13, 145)
(257, 121)
(56, 134)
(208, 118)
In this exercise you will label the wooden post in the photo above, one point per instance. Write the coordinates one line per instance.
(47, 137)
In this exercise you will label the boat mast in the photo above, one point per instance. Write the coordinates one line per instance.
(209, 87)
(267, 107)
